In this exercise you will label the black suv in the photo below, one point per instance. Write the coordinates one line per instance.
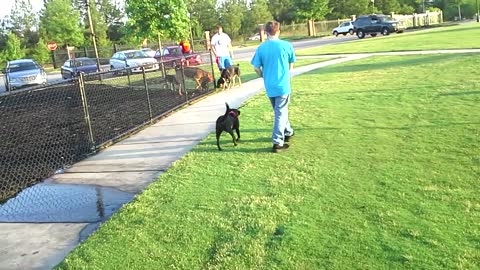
(373, 24)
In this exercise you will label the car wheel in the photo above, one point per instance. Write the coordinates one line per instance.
(351, 32)
(385, 31)
(360, 34)
(373, 34)
(335, 33)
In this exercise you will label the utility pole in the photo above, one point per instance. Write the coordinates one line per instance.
(92, 32)
(373, 6)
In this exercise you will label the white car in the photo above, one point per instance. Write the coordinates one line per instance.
(344, 29)
(149, 52)
(255, 37)
(135, 59)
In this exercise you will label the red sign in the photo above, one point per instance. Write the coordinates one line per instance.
(52, 46)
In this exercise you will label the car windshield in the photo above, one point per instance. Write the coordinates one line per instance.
(135, 54)
(83, 62)
(175, 51)
(22, 66)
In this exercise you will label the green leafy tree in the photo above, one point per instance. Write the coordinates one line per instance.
(257, 14)
(204, 16)
(60, 23)
(22, 18)
(312, 9)
(13, 49)
(40, 52)
(111, 12)
(149, 18)
(347, 8)
(387, 6)
(24, 23)
(232, 13)
(282, 10)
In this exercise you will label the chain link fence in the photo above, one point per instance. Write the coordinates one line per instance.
(45, 129)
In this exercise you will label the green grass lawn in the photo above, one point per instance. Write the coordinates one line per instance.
(464, 36)
(382, 174)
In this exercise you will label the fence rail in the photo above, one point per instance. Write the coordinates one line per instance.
(49, 128)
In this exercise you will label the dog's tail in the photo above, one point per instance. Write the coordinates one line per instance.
(228, 109)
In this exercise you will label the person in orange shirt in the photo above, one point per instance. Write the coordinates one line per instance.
(185, 46)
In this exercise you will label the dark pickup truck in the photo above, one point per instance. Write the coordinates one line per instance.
(374, 24)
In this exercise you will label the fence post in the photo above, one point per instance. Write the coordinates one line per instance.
(53, 59)
(148, 95)
(183, 82)
(208, 46)
(88, 122)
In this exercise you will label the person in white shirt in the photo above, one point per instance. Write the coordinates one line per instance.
(222, 48)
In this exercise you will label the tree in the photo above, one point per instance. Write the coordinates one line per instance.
(24, 23)
(387, 6)
(40, 52)
(60, 23)
(149, 18)
(203, 14)
(312, 9)
(232, 13)
(347, 8)
(282, 10)
(22, 18)
(13, 49)
(257, 14)
(111, 12)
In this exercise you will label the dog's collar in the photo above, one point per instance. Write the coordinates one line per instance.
(233, 113)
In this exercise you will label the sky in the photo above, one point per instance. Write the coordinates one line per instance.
(7, 5)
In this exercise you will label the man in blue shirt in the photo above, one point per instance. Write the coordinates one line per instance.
(273, 61)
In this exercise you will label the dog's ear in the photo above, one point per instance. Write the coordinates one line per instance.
(228, 107)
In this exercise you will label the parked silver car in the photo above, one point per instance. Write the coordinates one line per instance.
(23, 72)
(135, 59)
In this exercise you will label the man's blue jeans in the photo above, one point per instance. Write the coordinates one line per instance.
(281, 126)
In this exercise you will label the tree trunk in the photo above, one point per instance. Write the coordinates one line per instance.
(459, 12)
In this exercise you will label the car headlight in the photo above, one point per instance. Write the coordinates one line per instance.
(14, 80)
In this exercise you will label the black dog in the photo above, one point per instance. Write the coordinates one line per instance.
(228, 122)
(227, 78)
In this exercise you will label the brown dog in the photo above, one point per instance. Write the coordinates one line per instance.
(200, 76)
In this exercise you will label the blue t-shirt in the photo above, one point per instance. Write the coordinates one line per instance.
(274, 57)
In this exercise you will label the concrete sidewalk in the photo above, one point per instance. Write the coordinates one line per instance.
(91, 190)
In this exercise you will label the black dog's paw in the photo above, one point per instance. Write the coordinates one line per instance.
(238, 139)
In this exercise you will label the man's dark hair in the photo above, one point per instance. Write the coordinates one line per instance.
(272, 27)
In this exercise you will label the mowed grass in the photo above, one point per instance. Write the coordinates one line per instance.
(465, 36)
(382, 174)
